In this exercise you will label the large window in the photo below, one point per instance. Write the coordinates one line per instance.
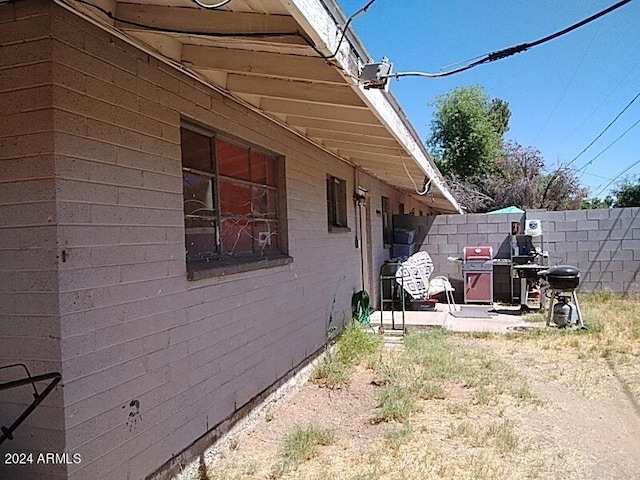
(231, 199)
(336, 204)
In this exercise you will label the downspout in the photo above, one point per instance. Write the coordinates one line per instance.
(359, 236)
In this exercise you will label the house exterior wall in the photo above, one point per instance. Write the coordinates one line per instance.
(151, 361)
(380, 252)
(29, 322)
(604, 244)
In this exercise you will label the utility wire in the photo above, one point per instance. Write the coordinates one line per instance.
(592, 174)
(196, 33)
(345, 28)
(617, 177)
(213, 6)
(629, 72)
(296, 33)
(566, 88)
(581, 169)
(605, 129)
(507, 52)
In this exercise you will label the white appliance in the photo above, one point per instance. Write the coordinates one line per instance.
(533, 227)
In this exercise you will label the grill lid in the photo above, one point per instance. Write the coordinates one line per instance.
(477, 254)
(561, 271)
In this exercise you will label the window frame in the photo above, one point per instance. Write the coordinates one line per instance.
(218, 262)
(337, 211)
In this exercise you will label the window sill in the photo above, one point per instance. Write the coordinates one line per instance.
(222, 267)
(333, 229)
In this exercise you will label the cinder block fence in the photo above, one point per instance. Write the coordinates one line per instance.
(604, 244)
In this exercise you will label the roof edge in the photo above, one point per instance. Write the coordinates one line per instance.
(318, 19)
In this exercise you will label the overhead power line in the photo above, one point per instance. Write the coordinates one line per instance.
(507, 52)
(604, 100)
(605, 129)
(617, 177)
(345, 28)
(566, 88)
(608, 147)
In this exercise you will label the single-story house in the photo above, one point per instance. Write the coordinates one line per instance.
(189, 198)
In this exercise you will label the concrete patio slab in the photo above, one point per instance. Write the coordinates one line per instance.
(506, 319)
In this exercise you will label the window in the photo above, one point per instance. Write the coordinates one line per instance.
(336, 203)
(401, 208)
(387, 233)
(231, 200)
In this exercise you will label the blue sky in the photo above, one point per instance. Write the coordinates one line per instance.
(562, 94)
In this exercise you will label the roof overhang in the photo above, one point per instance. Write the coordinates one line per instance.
(267, 54)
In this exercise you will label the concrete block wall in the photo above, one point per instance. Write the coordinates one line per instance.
(152, 361)
(603, 244)
(444, 236)
(29, 321)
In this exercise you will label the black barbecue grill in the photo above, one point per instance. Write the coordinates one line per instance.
(562, 277)
(563, 281)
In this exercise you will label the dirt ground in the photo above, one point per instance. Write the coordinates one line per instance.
(545, 410)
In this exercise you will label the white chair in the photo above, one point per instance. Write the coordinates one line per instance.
(414, 276)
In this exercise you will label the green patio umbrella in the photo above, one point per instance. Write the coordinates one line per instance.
(511, 209)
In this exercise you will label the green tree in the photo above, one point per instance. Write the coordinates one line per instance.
(628, 193)
(595, 202)
(467, 129)
(500, 115)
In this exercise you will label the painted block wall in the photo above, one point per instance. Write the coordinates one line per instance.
(29, 321)
(152, 361)
(603, 244)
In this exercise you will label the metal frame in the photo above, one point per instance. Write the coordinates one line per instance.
(55, 377)
(383, 301)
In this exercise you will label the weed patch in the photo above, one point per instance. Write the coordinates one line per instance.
(396, 403)
(354, 345)
(397, 437)
(299, 446)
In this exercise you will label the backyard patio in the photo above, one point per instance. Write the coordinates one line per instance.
(544, 403)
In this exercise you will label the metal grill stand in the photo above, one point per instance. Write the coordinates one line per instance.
(562, 295)
(388, 282)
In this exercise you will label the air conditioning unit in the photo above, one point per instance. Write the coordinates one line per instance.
(533, 228)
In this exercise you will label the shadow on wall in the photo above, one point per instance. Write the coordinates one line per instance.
(421, 225)
(608, 258)
(604, 244)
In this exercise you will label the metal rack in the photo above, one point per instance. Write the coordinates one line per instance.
(522, 252)
(393, 289)
(38, 397)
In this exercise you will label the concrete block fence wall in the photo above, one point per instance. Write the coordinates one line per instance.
(604, 244)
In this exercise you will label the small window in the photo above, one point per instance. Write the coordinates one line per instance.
(336, 203)
(401, 208)
(231, 199)
(387, 233)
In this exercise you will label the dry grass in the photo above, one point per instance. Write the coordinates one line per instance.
(613, 327)
(353, 346)
(462, 407)
(300, 446)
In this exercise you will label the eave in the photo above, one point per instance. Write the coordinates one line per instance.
(266, 53)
